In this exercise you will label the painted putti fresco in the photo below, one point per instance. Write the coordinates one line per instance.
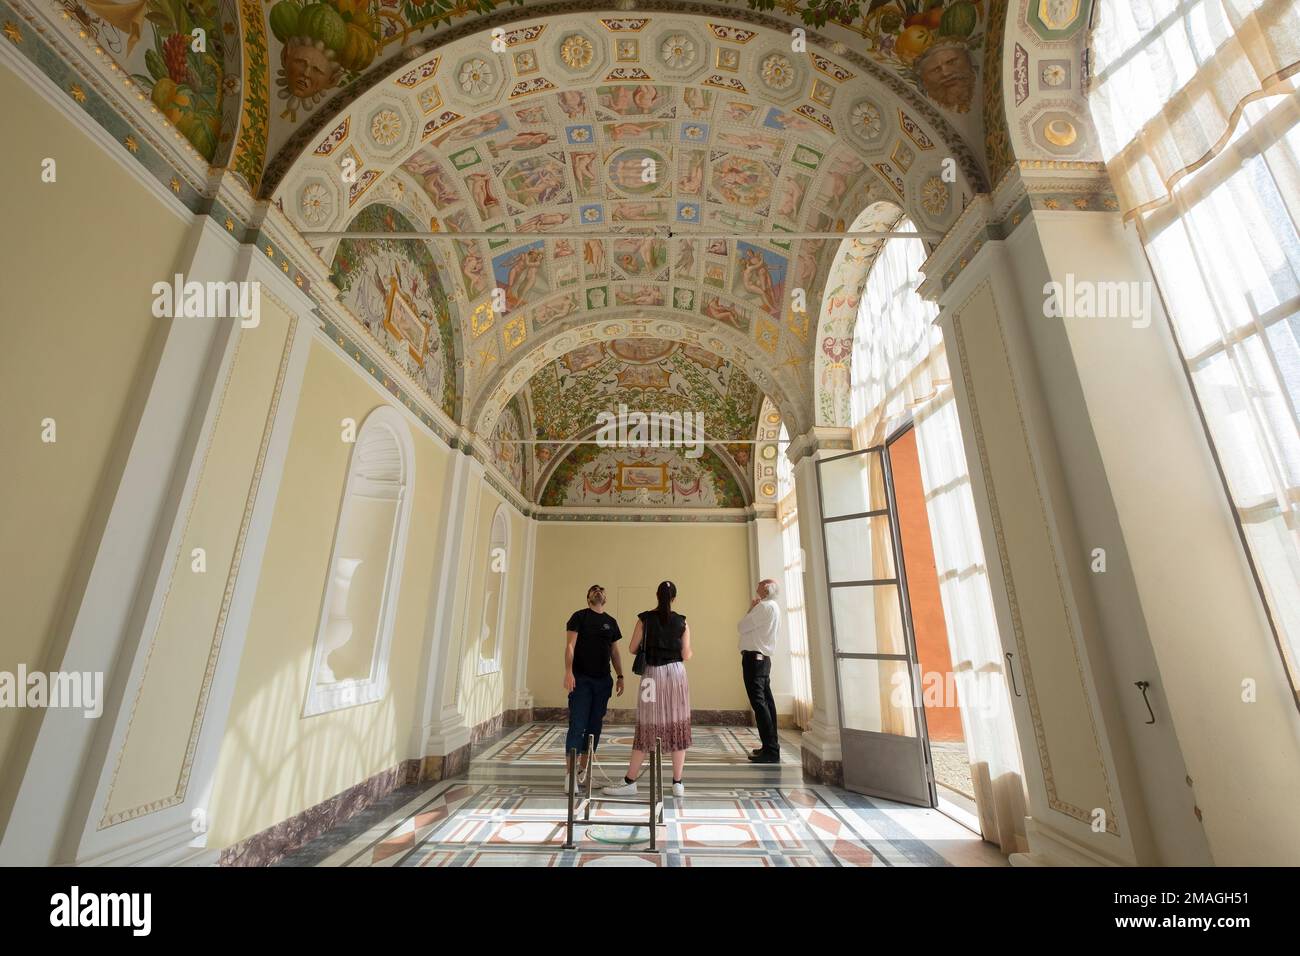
(393, 288)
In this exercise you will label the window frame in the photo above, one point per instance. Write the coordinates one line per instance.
(356, 692)
(500, 518)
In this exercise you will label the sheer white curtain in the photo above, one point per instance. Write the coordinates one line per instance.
(787, 516)
(893, 343)
(1171, 79)
(900, 369)
(1217, 201)
(973, 640)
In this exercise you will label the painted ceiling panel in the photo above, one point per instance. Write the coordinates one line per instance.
(644, 375)
(649, 375)
(648, 131)
(397, 292)
(590, 476)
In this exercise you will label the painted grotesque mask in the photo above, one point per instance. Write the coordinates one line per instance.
(948, 76)
(309, 68)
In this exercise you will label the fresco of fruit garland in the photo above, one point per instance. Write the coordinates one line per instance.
(330, 43)
(174, 50)
(935, 42)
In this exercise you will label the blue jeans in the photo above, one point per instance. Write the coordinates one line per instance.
(587, 703)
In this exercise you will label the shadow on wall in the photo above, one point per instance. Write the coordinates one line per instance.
(259, 786)
(481, 698)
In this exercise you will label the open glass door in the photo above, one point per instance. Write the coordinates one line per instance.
(882, 726)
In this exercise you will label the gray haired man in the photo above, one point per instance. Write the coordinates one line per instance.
(757, 644)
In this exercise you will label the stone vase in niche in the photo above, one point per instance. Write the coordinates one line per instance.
(338, 626)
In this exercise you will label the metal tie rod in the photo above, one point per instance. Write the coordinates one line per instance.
(642, 444)
(656, 233)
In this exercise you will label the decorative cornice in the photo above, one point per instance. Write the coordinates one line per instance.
(1049, 185)
(820, 438)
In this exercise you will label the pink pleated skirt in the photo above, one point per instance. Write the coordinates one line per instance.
(667, 712)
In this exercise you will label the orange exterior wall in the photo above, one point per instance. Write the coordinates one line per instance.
(944, 722)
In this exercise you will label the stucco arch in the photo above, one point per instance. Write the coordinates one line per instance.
(839, 310)
(660, 324)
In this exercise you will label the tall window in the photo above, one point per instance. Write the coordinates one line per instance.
(787, 516)
(494, 594)
(355, 631)
(897, 350)
(1198, 123)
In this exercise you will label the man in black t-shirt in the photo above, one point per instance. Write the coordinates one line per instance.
(592, 641)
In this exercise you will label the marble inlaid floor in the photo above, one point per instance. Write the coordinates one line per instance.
(508, 810)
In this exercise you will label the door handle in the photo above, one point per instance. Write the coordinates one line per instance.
(1012, 671)
(1142, 685)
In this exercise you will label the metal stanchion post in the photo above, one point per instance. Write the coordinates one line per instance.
(662, 801)
(573, 787)
(591, 768)
(655, 770)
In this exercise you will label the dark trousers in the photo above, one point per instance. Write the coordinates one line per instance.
(758, 686)
(587, 703)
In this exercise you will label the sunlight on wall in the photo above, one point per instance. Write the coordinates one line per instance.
(92, 329)
(480, 697)
(274, 763)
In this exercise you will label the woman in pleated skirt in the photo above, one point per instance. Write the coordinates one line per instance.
(663, 710)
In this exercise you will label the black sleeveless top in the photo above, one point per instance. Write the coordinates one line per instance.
(663, 643)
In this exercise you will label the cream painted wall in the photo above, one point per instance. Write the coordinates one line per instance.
(75, 349)
(1064, 744)
(481, 697)
(709, 563)
(274, 763)
(153, 762)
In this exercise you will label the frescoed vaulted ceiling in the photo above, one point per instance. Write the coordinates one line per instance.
(646, 375)
(635, 129)
(633, 133)
(325, 55)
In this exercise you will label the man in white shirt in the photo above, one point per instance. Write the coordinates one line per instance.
(757, 644)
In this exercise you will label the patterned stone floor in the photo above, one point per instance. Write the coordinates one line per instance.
(510, 807)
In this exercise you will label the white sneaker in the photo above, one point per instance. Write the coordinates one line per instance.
(621, 790)
(679, 790)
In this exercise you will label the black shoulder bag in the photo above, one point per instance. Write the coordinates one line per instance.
(638, 662)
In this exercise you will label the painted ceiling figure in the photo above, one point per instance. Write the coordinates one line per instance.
(522, 276)
(573, 103)
(308, 71)
(758, 279)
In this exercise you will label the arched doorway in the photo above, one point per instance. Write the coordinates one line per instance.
(921, 678)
